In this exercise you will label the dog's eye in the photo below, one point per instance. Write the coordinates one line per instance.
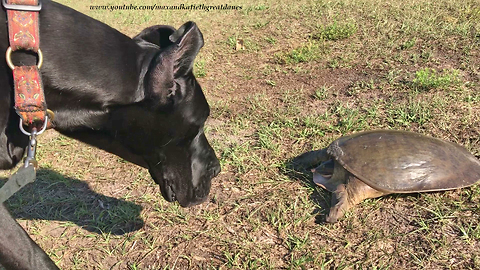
(173, 89)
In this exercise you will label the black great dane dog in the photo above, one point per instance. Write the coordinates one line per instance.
(136, 98)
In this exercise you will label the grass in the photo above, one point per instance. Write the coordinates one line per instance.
(426, 79)
(321, 93)
(305, 53)
(336, 31)
(282, 78)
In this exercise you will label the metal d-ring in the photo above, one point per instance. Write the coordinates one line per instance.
(37, 7)
(8, 56)
(36, 133)
(51, 115)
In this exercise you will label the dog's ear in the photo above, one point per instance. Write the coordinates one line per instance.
(174, 62)
(155, 36)
(188, 41)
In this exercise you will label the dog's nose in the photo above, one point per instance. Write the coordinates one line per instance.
(214, 168)
(217, 170)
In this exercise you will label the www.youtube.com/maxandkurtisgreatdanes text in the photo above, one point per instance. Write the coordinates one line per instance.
(163, 7)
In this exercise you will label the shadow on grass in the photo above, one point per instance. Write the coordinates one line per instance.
(298, 169)
(55, 197)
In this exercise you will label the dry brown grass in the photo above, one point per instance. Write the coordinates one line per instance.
(308, 72)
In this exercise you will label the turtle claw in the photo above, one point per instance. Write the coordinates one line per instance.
(339, 204)
(333, 216)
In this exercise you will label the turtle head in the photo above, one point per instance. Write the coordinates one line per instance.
(329, 175)
(325, 169)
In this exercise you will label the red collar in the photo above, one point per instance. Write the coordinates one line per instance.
(24, 34)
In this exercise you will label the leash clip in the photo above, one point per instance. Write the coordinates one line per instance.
(22, 7)
(32, 150)
(32, 144)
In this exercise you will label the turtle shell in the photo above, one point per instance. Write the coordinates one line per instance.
(404, 162)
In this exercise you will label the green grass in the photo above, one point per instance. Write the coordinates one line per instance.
(199, 69)
(282, 78)
(427, 79)
(321, 93)
(305, 53)
(412, 111)
(337, 31)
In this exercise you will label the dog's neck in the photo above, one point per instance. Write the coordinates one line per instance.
(71, 117)
(89, 68)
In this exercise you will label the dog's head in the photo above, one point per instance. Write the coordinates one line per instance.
(167, 128)
(164, 129)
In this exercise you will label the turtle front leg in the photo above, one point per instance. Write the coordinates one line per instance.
(347, 195)
(339, 204)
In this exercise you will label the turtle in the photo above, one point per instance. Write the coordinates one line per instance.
(374, 163)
